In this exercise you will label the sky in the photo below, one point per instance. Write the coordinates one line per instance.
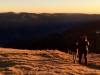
(51, 6)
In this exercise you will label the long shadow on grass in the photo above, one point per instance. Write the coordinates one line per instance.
(4, 64)
(92, 66)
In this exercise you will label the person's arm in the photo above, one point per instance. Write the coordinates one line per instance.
(88, 43)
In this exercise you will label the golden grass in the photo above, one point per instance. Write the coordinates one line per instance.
(44, 62)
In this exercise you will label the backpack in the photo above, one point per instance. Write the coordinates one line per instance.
(75, 47)
(83, 45)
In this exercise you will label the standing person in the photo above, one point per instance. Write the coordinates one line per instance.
(83, 49)
(74, 50)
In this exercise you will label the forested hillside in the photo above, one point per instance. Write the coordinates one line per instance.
(47, 31)
(92, 30)
(63, 41)
(32, 25)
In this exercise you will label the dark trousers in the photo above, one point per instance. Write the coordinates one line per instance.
(85, 52)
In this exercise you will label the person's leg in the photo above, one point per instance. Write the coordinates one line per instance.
(85, 56)
(73, 54)
(80, 57)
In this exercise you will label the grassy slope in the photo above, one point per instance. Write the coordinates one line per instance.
(44, 62)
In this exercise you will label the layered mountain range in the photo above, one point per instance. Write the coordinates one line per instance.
(44, 30)
(31, 25)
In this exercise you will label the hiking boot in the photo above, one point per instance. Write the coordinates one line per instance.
(86, 64)
(74, 61)
(79, 62)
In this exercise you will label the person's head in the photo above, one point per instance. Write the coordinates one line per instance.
(84, 37)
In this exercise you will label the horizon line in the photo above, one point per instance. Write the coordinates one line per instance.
(52, 13)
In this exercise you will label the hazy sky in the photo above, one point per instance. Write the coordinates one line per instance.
(51, 6)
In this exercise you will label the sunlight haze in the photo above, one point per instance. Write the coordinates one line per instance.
(51, 6)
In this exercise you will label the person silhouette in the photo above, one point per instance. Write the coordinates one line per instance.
(83, 49)
(74, 50)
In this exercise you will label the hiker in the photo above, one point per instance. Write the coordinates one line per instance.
(83, 49)
(74, 50)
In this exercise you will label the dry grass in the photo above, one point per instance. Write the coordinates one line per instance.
(44, 62)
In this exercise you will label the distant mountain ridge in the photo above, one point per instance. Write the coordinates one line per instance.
(31, 25)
